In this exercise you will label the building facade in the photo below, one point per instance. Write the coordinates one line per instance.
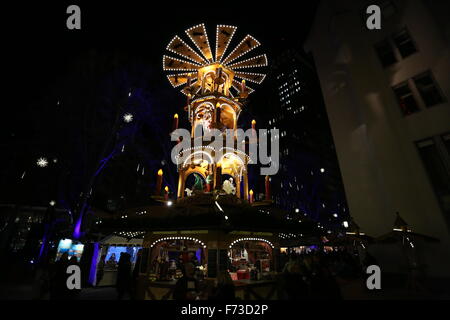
(308, 182)
(386, 94)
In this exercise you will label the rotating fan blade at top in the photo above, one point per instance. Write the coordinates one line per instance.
(247, 44)
(199, 37)
(224, 35)
(178, 46)
(200, 73)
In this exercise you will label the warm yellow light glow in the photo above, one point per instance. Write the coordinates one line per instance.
(253, 122)
(208, 73)
(396, 229)
(251, 192)
(230, 159)
(176, 116)
(160, 172)
(219, 165)
(218, 105)
(356, 233)
(166, 188)
(197, 160)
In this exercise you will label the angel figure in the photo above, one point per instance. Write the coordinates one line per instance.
(228, 186)
(188, 192)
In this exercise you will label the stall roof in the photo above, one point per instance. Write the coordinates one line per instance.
(209, 212)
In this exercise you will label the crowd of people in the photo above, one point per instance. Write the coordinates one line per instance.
(50, 277)
(190, 287)
(315, 275)
(312, 275)
(50, 280)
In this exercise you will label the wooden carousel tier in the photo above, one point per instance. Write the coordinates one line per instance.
(207, 211)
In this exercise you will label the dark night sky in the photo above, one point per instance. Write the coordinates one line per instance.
(40, 47)
(41, 53)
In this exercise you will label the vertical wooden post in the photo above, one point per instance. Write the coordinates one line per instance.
(218, 176)
(246, 185)
(180, 183)
(238, 186)
(268, 196)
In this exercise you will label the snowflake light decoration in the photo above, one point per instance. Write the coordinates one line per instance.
(42, 162)
(128, 117)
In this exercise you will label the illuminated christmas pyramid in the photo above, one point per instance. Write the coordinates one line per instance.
(215, 99)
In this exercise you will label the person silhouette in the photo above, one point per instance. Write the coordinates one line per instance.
(123, 283)
(59, 288)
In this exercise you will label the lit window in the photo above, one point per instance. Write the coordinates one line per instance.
(406, 99)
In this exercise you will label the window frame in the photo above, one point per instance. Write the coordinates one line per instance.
(390, 40)
(383, 4)
(415, 92)
(392, 49)
(396, 48)
(436, 86)
(397, 98)
(444, 159)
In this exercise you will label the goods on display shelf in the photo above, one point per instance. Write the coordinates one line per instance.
(70, 247)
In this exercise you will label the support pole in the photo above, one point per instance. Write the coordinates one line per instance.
(238, 186)
(246, 185)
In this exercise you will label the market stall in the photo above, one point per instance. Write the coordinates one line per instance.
(250, 258)
(170, 253)
(110, 249)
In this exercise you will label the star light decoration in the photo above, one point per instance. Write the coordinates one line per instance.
(128, 117)
(183, 67)
(42, 162)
